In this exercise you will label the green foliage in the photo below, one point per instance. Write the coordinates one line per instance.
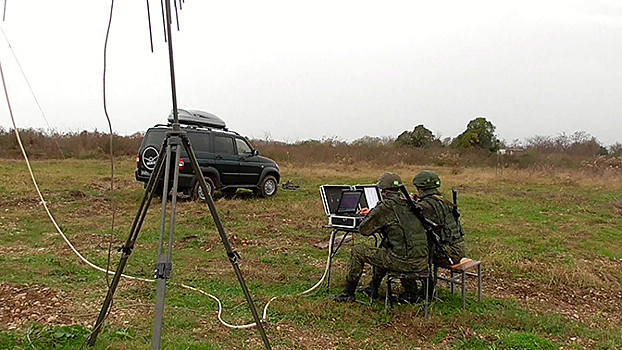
(525, 341)
(420, 137)
(65, 337)
(480, 133)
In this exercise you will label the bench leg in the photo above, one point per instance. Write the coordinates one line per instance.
(463, 289)
(452, 282)
(479, 283)
(425, 302)
(387, 297)
(435, 280)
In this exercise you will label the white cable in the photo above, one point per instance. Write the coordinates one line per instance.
(58, 229)
(264, 316)
(330, 251)
(265, 310)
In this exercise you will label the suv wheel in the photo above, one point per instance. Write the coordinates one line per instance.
(268, 187)
(198, 191)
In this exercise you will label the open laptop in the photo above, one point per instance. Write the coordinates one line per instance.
(349, 202)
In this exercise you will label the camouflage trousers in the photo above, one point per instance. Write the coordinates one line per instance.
(382, 259)
(454, 250)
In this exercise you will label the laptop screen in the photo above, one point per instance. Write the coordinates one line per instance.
(349, 202)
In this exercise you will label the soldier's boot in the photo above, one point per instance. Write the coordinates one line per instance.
(411, 292)
(347, 296)
(372, 290)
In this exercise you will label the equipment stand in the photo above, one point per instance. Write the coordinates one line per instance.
(164, 266)
(334, 250)
(171, 145)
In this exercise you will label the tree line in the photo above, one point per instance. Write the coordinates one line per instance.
(476, 146)
(480, 134)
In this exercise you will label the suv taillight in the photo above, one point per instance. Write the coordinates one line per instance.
(138, 159)
(182, 162)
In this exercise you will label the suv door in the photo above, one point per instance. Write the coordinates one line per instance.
(250, 168)
(225, 159)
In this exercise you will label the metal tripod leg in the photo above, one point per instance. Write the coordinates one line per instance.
(233, 255)
(331, 255)
(126, 250)
(164, 260)
(164, 266)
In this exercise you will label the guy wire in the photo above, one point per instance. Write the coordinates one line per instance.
(31, 90)
(114, 205)
(112, 199)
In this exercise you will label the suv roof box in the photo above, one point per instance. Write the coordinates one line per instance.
(199, 118)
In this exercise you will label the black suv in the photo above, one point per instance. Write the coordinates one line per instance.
(227, 159)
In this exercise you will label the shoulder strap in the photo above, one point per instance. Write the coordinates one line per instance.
(444, 200)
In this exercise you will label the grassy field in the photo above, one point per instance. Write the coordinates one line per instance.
(550, 241)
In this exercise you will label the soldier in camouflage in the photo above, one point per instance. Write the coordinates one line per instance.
(404, 244)
(451, 236)
(440, 210)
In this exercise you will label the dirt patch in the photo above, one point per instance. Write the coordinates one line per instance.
(22, 304)
(20, 203)
(23, 250)
(587, 305)
(304, 339)
(32, 303)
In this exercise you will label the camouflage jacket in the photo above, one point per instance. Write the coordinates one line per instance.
(439, 210)
(399, 228)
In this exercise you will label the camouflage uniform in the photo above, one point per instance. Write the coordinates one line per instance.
(438, 209)
(404, 243)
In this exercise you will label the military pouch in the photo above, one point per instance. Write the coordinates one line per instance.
(448, 213)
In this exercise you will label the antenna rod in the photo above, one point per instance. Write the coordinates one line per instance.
(171, 64)
(149, 20)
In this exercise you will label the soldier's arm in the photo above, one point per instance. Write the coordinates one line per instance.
(374, 221)
(428, 210)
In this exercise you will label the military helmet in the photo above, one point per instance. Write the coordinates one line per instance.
(389, 181)
(426, 180)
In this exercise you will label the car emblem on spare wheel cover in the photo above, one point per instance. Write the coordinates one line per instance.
(150, 157)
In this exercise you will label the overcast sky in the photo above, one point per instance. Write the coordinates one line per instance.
(295, 70)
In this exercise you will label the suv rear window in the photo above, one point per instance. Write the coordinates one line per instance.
(200, 141)
(154, 137)
(223, 145)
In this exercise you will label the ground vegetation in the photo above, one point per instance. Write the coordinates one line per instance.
(549, 238)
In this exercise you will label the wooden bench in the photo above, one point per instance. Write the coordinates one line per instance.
(393, 275)
(458, 273)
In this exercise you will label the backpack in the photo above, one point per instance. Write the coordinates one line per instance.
(449, 218)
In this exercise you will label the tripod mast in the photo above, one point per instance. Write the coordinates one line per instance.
(171, 145)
